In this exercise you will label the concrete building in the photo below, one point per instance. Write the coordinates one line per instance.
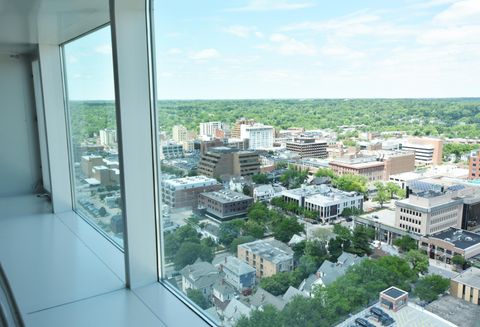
(208, 129)
(474, 165)
(259, 136)
(466, 286)
(429, 210)
(308, 147)
(88, 162)
(183, 192)
(268, 256)
(471, 212)
(428, 151)
(367, 167)
(106, 176)
(179, 133)
(327, 201)
(108, 137)
(445, 244)
(237, 273)
(171, 150)
(224, 204)
(236, 130)
(396, 162)
(224, 161)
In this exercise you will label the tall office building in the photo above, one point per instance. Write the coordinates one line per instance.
(260, 136)
(308, 147)
(224, 161)
(428, 151)
(108, 137)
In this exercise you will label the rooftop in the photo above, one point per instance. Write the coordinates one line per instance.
(322, 189)
(237, 266)
(190, 181)
(270, 249)
(226, 196)
(394, 292)
(455, 310)
(460, 238)
(470, 277)
(329, 271)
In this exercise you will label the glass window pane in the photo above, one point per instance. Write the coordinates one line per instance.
(93, 131)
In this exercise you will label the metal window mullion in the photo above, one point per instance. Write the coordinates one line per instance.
(136, 145)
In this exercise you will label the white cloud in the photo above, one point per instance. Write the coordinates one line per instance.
(270, 5)
(239, 30)
(342, 51)
(452, 34)
(105, 49)
(206, 54)
(286, 45)
(175, 51)
(460, 12)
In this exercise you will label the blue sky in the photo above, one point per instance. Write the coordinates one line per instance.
(238, 49)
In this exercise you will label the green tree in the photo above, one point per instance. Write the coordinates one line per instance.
(267, 317)
(405, 243)
(351, 183)
(254, 229)
(325, 172)
(285, 228)
(189, 252)
(240, 240)
(382, 194)
(361, 238)
(197, 297)
(428, 288)
(260, 178)
(229, 231)
(418, 261)
(458, 260)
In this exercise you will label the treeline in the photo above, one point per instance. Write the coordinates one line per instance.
(446, 117)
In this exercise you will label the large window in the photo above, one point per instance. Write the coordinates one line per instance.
(278, 120)
(93, 135)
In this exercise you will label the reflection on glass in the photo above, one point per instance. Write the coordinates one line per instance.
(93, 135)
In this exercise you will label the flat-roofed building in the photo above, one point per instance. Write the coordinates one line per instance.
(225, 161)
(224, 204)
(367, 167)
(466, 286)
(259, 136)
(308, 147)
(428, 151)
(453, 241)
(236, 130)
(179, 133)
(429, 208)
(88, 162)
(268, 256)
(396, 162)
(474, 165)
(208, 129)
(183, 192)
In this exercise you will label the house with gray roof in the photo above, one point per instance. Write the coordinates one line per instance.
(199, 276)
(234, 311)
(223, 291)
(291, 293)
(262, 298)
(330, 271)
(308, 284)
(238, 273)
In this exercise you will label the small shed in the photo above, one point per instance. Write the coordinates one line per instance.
(393, 298)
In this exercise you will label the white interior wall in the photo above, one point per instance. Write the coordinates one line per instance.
(20, 168)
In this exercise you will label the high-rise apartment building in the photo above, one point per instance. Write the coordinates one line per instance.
(208, 129)
(108, 137)
(179, 133)
(474, 165)
(260, 136)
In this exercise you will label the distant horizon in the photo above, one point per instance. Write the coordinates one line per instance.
(298, 99)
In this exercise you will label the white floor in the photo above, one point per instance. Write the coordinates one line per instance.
(61, 274)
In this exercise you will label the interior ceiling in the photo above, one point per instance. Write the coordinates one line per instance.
(25, 23)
